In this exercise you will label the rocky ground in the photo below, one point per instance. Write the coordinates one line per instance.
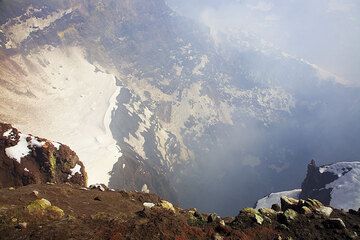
(65, 211)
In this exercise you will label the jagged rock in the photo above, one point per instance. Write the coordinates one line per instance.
(25, 159)
(314, 184)
(289, 203)
(305, 210)
(213, 217)
(167, 205)
(253, 214)
(325, 211)
(222, 223)
(268, 212)
(313, 204)
(334, 223)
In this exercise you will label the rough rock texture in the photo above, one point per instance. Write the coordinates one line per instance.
(314, 184)
(25, 159)
(64, 211)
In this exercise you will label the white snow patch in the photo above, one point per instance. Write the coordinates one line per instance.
(148, 204)
(56, 145)
(124, 165)
(8, 133)
(26, 170)
(274, 198)
(75, 170)
(23, 147)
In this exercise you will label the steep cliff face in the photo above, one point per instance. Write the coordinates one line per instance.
(314, 184)
(25, 159)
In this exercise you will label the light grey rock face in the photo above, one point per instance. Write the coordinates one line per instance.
(195, 121)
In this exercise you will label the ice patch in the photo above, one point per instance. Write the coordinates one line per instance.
(75, 170)
(274, 198)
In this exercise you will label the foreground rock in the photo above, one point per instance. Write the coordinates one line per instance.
(64, 211)
(25, 159)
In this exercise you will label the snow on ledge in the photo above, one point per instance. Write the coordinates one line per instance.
(274, 198)
(23, 147)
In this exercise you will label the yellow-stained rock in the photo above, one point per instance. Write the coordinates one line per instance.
(38, 207)
(55, 212)
(167, 205)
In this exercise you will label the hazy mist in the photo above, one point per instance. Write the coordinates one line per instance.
(324, 32)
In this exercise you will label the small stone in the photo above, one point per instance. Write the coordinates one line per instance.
(305, 210)
(334, 223)
(268, 212)
(217, 236)
(313, 204)
(282, 227)
(276, 207)
(288, 203)
(97, 199)
(222, 223)
(351, 235)
(212, 218)
(55, 212)
(278, 238)
(35, 193)
(14, 220)
(253, 214)
(22, 225)
(324, 211)
(167, 205)
(11, 188)
(290, 214)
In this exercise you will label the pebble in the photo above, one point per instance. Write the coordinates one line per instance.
(22, 225)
